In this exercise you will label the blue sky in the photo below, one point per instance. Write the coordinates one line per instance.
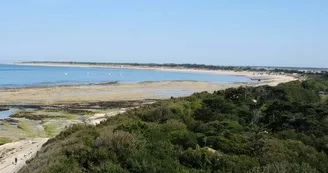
(220, 32)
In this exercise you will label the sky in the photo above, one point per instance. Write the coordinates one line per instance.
(217, 32)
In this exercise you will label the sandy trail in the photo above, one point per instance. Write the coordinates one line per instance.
(100, 117)
(22, 150)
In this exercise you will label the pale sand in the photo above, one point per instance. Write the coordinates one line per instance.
(135, 91)
(22, 150)
(118, 92)
(100, 117)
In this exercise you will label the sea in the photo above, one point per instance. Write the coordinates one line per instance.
(17, 76)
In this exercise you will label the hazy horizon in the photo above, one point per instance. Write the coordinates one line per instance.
(8, 62)
(256, 33)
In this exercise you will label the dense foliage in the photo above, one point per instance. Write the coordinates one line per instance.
(263, 129)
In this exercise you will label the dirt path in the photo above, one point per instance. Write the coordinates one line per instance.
(100, 117)
(22, 150)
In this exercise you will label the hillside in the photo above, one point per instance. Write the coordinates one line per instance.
(263, 129)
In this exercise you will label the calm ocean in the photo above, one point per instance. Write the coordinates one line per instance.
(14, 76)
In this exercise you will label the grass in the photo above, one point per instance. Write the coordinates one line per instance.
(69, 111)
(52, 114)
(50, 129)
(4, 140)
(52, 120)
(72, 117)
(25, 127)
(29, 115)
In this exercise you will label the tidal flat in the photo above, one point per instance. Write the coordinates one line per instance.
(49, 121)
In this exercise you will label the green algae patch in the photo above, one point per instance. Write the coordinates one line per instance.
(4, 140)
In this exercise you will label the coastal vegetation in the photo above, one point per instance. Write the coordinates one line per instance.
(44, 114)
(246, 129)
(27, 127)
(50, 129)
(193, 66)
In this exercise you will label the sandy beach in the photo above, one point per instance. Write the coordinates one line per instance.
(113, 92)
(128, 91)
(249, 74)
(94, 93)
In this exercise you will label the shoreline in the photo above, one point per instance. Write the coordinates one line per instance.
(61, 85)
(118, 92)
(249, 74)
(113, 91)
(116, 83)
(172, 69)
(51, 95)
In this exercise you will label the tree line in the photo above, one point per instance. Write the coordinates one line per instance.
(281, 70)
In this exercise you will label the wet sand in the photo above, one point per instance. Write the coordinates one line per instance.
(115, 92)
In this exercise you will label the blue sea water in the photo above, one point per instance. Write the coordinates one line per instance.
(7, 113)
(15, 76)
